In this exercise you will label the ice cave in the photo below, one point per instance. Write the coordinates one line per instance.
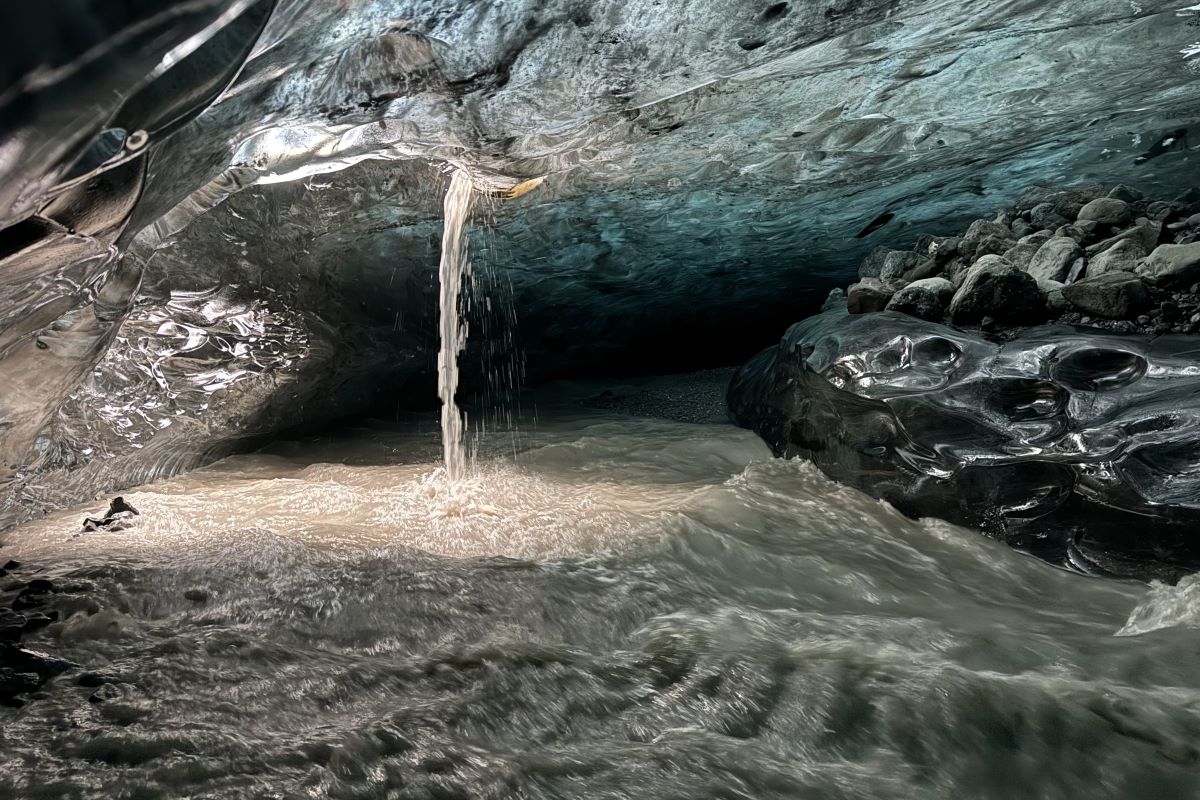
(599, 399)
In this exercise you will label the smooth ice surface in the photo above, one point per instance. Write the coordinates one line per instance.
(1060, 437)
(635, 608)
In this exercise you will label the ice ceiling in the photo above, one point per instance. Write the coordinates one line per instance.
(221, 217)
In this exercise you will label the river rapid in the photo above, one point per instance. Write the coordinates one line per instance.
(621, 600)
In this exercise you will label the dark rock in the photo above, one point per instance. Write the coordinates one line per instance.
(1053, 259)
(1021, 228)
(1045, 216)
(197, 595)
(836, 299)
(924, 299)
(895, 264)
(1121, 257)
(1053, 291)
(997, 289)
(1106, 211)
(1143, 232)
(1172, 264)
(105, 693)
(872, 265)
(929, 268)
(1020, 254)
(985, 237)
(1115, 295)
(1169, 311)
(1126, 193)
(1165, 212)
(12, 565)
(92, 679)
(867, 296)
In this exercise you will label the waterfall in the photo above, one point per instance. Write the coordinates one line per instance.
(451, 327)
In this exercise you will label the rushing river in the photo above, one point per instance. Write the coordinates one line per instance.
(615, 605)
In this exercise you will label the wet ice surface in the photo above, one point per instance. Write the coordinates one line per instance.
(633, 607)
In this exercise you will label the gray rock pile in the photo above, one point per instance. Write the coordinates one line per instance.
(1115, 260)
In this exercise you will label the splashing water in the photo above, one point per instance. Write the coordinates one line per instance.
(452, 329)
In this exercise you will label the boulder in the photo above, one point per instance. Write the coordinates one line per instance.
(929, 268)
(1165, 210)
(1106, 211)
(997, 289)
(1053, 260)
(1044, 215)
(1121, 257)
(1021, 228)
(1064, 202)
(1126, 193)
(1055, 302)
(924, 299)
(1021, 253)
(867, 296)
(873, 263)
(1115, 295)
(895, 264)
(836, 299)
(986, 237)
(1174, 265)
(1143, 231)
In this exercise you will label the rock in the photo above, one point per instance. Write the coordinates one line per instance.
(1044, 215)
(1172, 264)
(1106, 211)
(196, 595)
(1144, 232)
(1169, 311)
(1081, 232)
(985, 237)
(92, 679)
(12, 565)
(1126, 193)
(1164, 211)
(895, 264)
(1053, 290)
(836, 299)
(1021, 228)
(867, 296)
(940, 248)
(1065, 202)
(1121, 257)
(929, 268)
(872, 265)
(1114, 295)
(1021, 253)
(1053, 259)
(997, 289)
(923, 299)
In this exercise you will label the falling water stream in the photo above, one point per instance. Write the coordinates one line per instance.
(451, 327)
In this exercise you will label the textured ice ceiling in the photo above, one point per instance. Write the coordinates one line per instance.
(221, 216)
